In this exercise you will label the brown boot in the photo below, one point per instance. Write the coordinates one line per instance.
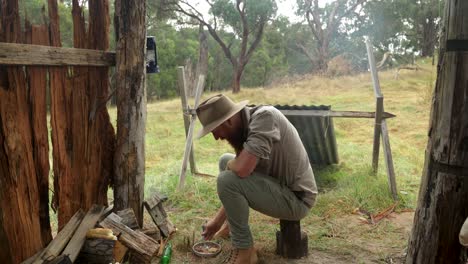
(223, 231)
(242, 256)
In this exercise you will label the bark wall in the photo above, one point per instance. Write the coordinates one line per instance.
(443, 197)
(20, 233)
(85, 137)
(37, 80)
(131, 104)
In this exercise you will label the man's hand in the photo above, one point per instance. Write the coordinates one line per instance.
(210, 229)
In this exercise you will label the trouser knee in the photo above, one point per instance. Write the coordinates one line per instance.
(226, 182)
(223, 160)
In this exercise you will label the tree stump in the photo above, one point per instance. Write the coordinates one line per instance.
(291, 243)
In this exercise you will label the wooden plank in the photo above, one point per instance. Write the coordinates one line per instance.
(159, 216)
(141, 245)
(183, 97)
(330, 113)
(128, 218)
(60, 241)
(377, 129)
(373, 69)
(74, 246)
(389, 160)
(27, 54)
(188, 142)
(155, 200)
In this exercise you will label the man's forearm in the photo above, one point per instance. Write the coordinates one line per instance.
(220, 216)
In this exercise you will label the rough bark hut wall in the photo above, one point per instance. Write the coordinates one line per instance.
(443, 198)
(85, 128)
(19, 216)
(37, 80)
(131, 102)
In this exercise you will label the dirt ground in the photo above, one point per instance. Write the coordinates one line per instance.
(361, 243)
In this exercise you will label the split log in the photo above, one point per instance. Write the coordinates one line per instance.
(74, 246)
(97, 251)
(129, 218)
(60, 241)
(154, 233)
(158, 214)
(120, 251)
(142, 246)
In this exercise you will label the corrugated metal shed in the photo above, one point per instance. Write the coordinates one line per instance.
(317, 134)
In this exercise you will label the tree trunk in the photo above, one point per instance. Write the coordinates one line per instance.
(236, 78)
(443, 193)
(131, 101)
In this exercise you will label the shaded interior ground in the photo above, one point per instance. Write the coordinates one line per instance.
(355, 244)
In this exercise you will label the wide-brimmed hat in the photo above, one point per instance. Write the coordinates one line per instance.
(215, 110)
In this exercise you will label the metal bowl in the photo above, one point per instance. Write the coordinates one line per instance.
(206, 249)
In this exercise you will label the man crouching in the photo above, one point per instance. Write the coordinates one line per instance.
(270, 172)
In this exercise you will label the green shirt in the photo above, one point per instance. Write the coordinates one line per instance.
(280, 152)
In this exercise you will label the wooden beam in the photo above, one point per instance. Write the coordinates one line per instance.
(330, 113)
(189, 142)
(183, 96)
(27, 54)
(373, 69)
(389, 160)
(377, 129)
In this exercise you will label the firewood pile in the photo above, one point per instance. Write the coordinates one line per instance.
(103, 236)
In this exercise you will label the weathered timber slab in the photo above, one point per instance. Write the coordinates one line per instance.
(26, 54)
(158, 214)
(142, 246)
(60, 241)
(74, 246)
(129, 218)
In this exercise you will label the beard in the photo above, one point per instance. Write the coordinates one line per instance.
(237, 139)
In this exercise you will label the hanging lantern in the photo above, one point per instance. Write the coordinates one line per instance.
(151, 55)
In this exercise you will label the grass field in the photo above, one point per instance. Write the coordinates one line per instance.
(335, 233)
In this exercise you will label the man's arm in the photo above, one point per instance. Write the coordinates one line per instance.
(214, 224)
(244, 164)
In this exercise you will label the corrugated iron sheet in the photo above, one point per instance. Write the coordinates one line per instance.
(317, 134)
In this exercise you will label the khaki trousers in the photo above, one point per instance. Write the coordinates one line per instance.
(260, 192)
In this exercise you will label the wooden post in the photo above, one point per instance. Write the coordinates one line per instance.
(377, 129)
(188, 143)
(443, 195)
(389, 160)
(129, 157)
(380, 127)
(183, 96)
(291, 242)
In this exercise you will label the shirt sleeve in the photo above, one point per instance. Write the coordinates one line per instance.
(263, 133)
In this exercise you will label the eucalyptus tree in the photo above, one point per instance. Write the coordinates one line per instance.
(324, 24)
(246, 19)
